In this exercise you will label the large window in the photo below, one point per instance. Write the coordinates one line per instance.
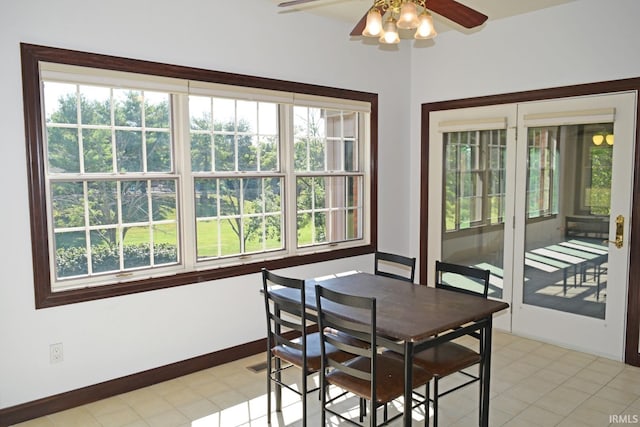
(148, 176)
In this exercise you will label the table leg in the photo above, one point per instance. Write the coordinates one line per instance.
(408, 382)
(486, 373)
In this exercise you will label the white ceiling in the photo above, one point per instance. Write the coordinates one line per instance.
(353, 10)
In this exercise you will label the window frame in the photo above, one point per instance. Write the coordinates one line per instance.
(32, 55)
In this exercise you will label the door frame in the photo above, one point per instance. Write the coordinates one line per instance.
(632, 332)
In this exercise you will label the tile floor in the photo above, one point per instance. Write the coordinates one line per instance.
(533, 384)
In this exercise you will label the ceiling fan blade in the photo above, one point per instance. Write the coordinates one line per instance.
(457, 12)
(359, 28)
(293, 2)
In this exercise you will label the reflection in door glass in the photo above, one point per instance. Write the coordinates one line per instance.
(474, 201)
(567, 217)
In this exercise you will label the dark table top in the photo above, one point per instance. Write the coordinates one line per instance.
(409, 312)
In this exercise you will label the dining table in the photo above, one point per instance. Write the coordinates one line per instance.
(413, 317)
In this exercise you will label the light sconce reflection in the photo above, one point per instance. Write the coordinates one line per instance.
(599, 138)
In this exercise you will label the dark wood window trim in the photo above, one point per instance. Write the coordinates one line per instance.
(632, 353)
(31, 55)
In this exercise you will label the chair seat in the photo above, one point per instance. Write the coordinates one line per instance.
(389, 378)
(446, 358)
(314, 357)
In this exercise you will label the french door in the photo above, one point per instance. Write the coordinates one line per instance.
(537, 192)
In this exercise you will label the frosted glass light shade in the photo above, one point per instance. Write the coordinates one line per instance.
(390, 33)
(408, 16)
(374, 24)
(425, 30)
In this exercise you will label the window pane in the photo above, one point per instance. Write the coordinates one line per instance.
(158, 147)
(105, 254)
(68, 204)
(163, 200)
(127, 107)
(95, 105)
(156, 110)
(135, 201)
(225, 153)
(208, 238)
(129, 151)
(136, 247)
(247, 153)
(71, 254)
(60, 102)
(98, 156)
(201, 152)
(64, 152)
(102, 202)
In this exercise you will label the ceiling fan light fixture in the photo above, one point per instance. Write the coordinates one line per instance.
(390, 32)
(374, 24)
(425, 29)
(408, 16)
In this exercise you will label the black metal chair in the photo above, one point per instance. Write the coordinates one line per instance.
(288, 339)
(369, 375)
(398, 263)
(450, 357)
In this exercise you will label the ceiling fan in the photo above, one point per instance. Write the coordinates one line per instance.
(450, 9)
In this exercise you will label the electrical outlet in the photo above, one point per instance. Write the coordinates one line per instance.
(55, 353)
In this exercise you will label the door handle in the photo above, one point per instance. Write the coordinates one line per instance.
(619, 232)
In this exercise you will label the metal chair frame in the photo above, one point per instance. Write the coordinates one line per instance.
(396, 259)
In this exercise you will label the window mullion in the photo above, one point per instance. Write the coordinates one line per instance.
(186, 209)
(287, 165)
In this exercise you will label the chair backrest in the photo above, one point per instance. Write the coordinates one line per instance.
(329, 304)
(461, 278)
(398, 263)
(284, 300)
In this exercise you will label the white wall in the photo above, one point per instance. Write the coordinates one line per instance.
(115, 337)
(583, 41)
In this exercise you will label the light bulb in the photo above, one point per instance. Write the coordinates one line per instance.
(609, 139)
(597, 139)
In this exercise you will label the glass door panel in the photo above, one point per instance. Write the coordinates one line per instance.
(474, 188)
(567, 217)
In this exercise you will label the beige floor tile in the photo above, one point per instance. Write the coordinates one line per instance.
(589, 417)
(77, 417)
(198, 409)
(616, 395)
(172, 418)
(562, 400)
(508, 404)
(539, 416)
(606, 406)
(118, 418)
(582, 384)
